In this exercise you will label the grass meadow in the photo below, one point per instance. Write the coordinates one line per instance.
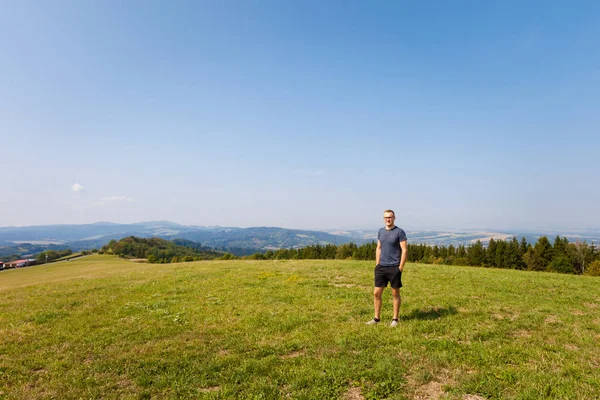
(103, 327)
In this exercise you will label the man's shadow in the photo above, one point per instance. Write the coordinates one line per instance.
(430, 314)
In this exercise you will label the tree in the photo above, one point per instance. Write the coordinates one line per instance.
(476, 254)
(524, 246)
(48, 256)
(451, 251)
(227, 256)
(490, 258)
(561, 247)
(500, 254)
(257, 256)
(583, 254)
(562, 264)
(461, 252)
(345, 251)
(513, 258)
(540, 256)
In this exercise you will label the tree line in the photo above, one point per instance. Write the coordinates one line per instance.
(561, 256)
(158, 250)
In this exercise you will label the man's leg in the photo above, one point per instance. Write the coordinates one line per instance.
(396, 300)
(377, 292)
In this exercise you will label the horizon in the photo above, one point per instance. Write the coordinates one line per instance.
(374, 229)
(301, 115)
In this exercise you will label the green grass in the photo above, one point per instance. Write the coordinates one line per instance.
(69, 257)
(101, 327)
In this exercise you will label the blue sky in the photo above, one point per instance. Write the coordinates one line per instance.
(312, 115)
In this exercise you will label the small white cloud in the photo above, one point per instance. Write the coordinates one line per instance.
(77, 188)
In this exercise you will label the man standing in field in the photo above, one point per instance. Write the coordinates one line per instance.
(390, 258)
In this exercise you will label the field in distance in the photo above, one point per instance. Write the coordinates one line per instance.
(102, 327)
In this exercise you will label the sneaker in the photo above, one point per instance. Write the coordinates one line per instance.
(394, 323)
(372, 322)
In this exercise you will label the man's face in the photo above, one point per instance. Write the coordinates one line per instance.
(389, 218)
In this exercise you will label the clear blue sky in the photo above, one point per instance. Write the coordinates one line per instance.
(305, 114)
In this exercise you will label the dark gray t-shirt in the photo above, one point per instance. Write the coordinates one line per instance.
(390, 246)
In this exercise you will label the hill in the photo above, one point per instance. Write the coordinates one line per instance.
(104, 327)
(240, 241)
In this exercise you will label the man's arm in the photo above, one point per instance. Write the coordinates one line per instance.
(404, 247)
(378, 253)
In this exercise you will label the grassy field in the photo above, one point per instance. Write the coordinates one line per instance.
(101, 327)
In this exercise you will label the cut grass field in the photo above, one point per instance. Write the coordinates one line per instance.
(102, 327)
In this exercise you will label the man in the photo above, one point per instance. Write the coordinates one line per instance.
(390, 258)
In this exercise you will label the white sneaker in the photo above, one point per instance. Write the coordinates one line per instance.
(372, 322)
(394, 323)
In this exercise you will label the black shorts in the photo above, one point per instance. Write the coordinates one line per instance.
(383, 275)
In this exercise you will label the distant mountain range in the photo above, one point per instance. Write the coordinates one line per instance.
(240, 241)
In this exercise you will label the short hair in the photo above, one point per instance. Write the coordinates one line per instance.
(390, 211)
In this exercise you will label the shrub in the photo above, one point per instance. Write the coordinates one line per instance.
(257, 256)
(460, 261)
(593, 269)
(562, 264)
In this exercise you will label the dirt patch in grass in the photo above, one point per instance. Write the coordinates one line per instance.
(550, 340)
(285, 391)
(591, 305)
(521, 333)
(293, 354)
(404, 355)
(434, 389)
(127, 383)
(473, 397)
(89, 359)
(513, 316)
(353, 393)
(210, 389)
(553, 319)
(346, 285)
(510, 317)
(42, 371)
(577, 312)
(571, 347)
